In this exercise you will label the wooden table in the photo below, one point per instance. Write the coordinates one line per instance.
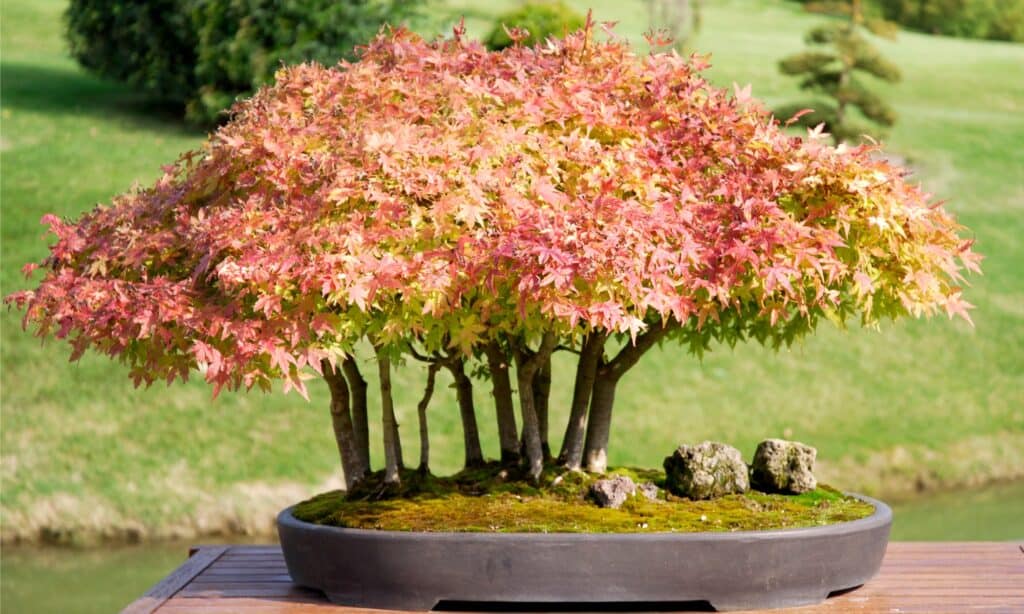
(915, 577)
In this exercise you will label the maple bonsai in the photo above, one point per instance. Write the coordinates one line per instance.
(479, 211)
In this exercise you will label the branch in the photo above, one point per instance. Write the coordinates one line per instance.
(631, 352)
(420, 357)
(531, 360)
(421, 411)
(566, 348)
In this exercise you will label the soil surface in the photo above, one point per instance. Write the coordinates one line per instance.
(491, 499)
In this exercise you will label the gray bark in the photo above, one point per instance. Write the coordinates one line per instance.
(341, 420)
(603, 397)
(421, 411)
(392, 451)
(504, 407)
(527, 365)
(571, 454)
(360, 422)
(599, 423)
(467, 412)
(541, 395)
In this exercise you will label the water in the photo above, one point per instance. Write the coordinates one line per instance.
(105, 580)
(82, 581)
(995, 513)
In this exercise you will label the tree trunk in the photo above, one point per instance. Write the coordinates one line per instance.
(571, 454)
(600, 422)
(531, 430)
(421, 411)
(392, 452)
(504, 407)
(603, 396)
(527, 365)
(397, 438)
(541, 394)
(360, 421)
(341, 420)
(467, 412)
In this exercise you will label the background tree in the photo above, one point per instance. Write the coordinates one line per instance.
(540, 20)
(204, 54)
(837, 73)
(148, 45)
(680, 19)
(481, 210)
(990, 19)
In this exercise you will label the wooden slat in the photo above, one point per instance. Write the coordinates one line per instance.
(179, 578)
(915, 577)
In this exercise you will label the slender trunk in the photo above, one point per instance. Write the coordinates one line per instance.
(397, 438)
(467, 411)
(341, 420)
(541, 394)
(527, 365)
(571, 454)
(360, 422)
(504, 407)
(600, 422)
(531, 430)
(603, 396)
(421, 411)
(392, 453)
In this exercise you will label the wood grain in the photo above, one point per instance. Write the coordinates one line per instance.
(915, 577)
(155, 597)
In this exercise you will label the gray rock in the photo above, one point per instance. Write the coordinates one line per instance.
(705, 471)
(612, 492)
(649, 490)
(784, 466)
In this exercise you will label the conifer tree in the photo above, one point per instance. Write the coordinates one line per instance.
(834, 71)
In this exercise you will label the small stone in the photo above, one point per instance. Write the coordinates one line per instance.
(706, 471)
(649, 490)
(784, 466)
(612, 492)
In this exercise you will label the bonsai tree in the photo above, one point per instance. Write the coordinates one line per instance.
(480, 211)
(837, 72)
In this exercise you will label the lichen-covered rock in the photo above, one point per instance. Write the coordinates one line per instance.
(649, 490)
(784, 466)
(705, 471)
(612, 492)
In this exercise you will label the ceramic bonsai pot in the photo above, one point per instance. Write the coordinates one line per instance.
(729, 571)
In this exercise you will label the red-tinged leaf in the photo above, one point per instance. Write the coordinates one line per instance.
(434, 192)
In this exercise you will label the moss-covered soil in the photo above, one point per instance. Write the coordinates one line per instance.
(490, 499)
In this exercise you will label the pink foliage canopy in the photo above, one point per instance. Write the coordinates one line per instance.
(439, 192)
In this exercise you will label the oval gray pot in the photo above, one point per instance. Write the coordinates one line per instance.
(729, 571)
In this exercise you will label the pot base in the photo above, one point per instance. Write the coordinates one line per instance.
(729, 571)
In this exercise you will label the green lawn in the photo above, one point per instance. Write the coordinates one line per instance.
(920, 404)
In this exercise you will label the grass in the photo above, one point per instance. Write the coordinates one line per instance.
(921, 404)
(488, 501)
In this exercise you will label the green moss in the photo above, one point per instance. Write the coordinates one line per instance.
(490, 499)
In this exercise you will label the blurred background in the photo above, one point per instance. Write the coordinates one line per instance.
(104, 486)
